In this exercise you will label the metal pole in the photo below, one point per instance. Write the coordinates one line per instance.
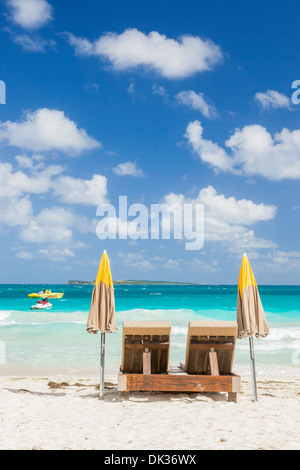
(102, 357)
(253, 373)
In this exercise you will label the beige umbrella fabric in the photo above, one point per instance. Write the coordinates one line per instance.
(102, 309)
(251, 317)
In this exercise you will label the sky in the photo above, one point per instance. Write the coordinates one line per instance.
(182, 102)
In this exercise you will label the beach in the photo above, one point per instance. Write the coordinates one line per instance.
(66, 413)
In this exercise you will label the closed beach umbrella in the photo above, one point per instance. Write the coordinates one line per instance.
(102, 310)
(251, 317)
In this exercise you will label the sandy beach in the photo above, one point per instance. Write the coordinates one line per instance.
(65, 413)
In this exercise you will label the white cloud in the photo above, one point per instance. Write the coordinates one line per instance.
(53, 226)
(254, 151)
(33, 44)
(55, 253)
(170, 58)
(30, 14)
(24, 255)
(50, 225)
(272, 99)
(128, 169)
(159, 90)
(210, 265)
(283, 260)
(135, 260)
(42, 180)
(279, 262)
(138, 261)
(79, 191)
(208, 151)
(47, 130)
(15, 211)
(197, 102)
(24, 161)
(233, 211)
(14, 184)
(228, 219)
(130, 89)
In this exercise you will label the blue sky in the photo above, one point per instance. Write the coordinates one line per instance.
(162, 101)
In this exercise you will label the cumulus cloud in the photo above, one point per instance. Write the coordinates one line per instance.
(15, 211)
(197, 102)
(253, 151)
(272, 100)
(54, 225)
(170, 58)
(52, 228)
(30, 14)
(50, 225)
(84, 192)
(227, 219)
(70, 190)
(47, 130)
(128, 169)
(14, 184)
(208, 151)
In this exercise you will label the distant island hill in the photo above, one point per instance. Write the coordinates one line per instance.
(129, 282)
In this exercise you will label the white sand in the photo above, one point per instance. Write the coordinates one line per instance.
(34, 415)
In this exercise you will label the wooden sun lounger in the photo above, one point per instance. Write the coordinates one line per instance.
(208, 364)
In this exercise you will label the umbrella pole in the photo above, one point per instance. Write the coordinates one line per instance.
(102, 357)
(253, 373)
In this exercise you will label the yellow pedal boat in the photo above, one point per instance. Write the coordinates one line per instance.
(46, 293)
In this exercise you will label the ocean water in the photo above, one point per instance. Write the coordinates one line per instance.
(55, 341)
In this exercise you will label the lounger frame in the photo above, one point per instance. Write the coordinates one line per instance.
(212, 357)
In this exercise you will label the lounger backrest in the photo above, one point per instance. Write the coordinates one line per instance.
(205, 335)
(141, 335)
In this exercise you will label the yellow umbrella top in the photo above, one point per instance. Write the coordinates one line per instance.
(104, 273)
(102, 309)
(246, 277)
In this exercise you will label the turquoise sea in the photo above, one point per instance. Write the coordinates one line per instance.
(55, 341)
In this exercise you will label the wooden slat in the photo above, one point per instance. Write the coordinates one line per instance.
(213, 362)
(127, 353)
(155, 354)
(163, 360)
(193, 356)
(147, 363)
(227, 346)
(137, 355)
(182, 383)
(148, 345)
